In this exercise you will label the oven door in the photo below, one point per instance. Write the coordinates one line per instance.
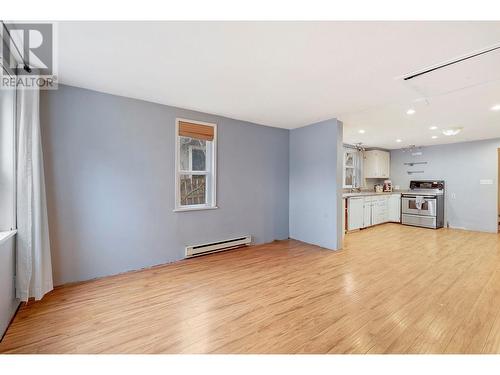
(427, 208)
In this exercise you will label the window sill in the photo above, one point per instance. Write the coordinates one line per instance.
(4, 236)
(201, 208)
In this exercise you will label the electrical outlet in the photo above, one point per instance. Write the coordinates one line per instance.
(453, 196)
(486, 182)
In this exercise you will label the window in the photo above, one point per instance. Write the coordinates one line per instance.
(195, 165)
(7, 157)
(350, 169)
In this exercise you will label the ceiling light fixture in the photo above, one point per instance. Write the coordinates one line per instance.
(452, 131)
(399, 140)
(433, 127)
(496, 107)
(411, 111)
(361, 131)
(434, 136)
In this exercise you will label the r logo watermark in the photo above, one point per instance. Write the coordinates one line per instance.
(28, 53)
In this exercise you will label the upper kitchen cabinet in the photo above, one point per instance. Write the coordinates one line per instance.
(377, 164)
(350, 162)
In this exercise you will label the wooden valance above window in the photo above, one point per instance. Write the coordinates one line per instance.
(198, 131)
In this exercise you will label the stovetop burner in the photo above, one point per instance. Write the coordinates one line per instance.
(427, 187)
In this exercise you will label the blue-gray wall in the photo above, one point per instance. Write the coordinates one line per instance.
(316, 154)
(109, 164)
(8, 301)
(468, 204)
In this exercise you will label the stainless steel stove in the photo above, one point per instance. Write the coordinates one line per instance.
(423, 206)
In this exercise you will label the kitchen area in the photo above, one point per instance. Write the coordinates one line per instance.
(369, 197)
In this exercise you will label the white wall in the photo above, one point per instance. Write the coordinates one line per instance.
(8, 301)
(7, 159)
(468, 204)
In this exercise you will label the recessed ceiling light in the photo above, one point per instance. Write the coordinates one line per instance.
(433, 127)
(496, 107)
(452, 131)
(411, 111)
(399, 140)
(361, 131)
(434, 136)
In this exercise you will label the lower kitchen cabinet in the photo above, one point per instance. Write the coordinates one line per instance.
(366, 211)
(395, 208)
(379, 210)
(355, 213)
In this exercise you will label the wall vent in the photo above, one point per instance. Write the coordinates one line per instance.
(213, 247)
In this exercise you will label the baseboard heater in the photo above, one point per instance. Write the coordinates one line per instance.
(213, 247)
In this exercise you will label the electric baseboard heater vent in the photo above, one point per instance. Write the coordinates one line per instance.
(213, 247)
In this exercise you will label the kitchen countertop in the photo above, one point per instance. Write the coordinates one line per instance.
(368, 193)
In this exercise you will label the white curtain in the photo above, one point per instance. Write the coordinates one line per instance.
(34, 267)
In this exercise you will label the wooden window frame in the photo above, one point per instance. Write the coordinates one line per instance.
(212, 173)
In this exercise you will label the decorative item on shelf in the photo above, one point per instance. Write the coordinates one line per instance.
(411, 164)
(415, 150)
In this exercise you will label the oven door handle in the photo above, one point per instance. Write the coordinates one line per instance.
(427, 197)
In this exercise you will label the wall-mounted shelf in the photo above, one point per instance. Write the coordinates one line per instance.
(411, 164)
(413, 172)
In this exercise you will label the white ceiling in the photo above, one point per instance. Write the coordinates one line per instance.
(290, 74)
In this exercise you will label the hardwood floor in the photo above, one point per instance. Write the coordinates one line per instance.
(393, 289)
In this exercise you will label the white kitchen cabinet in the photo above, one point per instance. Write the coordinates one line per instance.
(367, 212)
(363, 212)
(395, 208)
(384, 216)
(350, 158)
(376, 164)
(380, 212)
(344, 216)
(355, 213)
(375, 215)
